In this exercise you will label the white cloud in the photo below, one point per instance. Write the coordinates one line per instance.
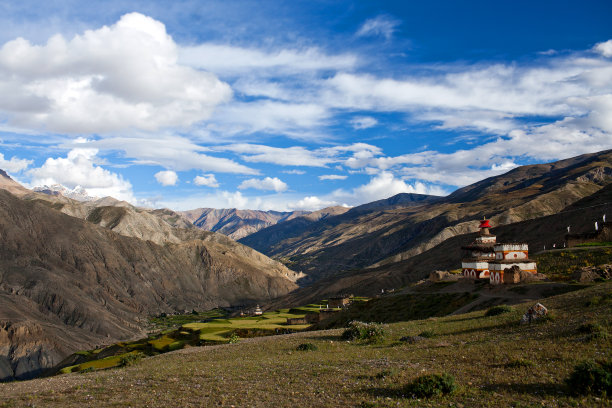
(166, 178)
(385, 185)
(332, 177)
(292, 119)
(363, 122)
(293, 171)
(604, 48)
(379, 26)
(14, 164)
(268, 183)
(301, 156)
(79, 169)
(174, 152)
(283, 156)
(230, 60)
(207, 180)
(311, 203)
(117, 77)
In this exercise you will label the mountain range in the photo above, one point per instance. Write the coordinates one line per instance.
(404, 226)
(75, 274)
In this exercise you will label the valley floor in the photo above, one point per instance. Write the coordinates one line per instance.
(495, 361)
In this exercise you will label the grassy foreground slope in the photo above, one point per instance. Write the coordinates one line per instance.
(496, 362)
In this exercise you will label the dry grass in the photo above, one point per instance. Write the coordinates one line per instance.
(480, 352)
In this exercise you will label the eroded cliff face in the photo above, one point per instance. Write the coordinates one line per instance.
(68, 284)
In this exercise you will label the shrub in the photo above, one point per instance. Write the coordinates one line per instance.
(234, 338)
(386, 373)
(368, 332)
(431, 385)
(175, 345)
(129, 359)
(591, 377)
(497, 310)
(306, 347)
(519, 363)
(427, 334)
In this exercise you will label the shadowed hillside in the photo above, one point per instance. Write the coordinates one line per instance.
(378, 235)
(68, 284)
(539, 232)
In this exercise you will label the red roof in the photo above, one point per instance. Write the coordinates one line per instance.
(485, 224)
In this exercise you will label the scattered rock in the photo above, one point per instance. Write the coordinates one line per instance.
(590, 273)
(536, 312)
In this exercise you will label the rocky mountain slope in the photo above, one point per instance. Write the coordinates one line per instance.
(68, 283)
(539, 233)
(375, 235)
(236, 223)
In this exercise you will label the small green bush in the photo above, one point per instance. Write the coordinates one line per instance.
(234, 338)
(129, 359)
(306, 347)
(497, 310)
(590, 328)
(431, 385)
(428, 334)
(386, 373)
(591, 377)
(368, 332)
(176, 345)
(519, 363)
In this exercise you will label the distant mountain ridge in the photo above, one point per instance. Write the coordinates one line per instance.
(238, 224)
(78, 193)
(383, 233)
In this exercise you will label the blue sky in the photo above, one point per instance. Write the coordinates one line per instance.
(296, 105)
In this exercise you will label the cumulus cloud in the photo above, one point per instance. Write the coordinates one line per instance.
(14, 164)
(80, 168)
(385, 185)
(311, 203)
(118, 77)
(166, 178)
(268, 183)
(294, 171)
(332, 177)
(382, 25)
(207, 180)
(604, 48)
(363, 122)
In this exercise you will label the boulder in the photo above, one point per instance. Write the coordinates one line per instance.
(513, 274)
(535, 312)
(437, 276)
(590, 273)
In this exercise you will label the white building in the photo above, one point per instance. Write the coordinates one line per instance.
(485, 258)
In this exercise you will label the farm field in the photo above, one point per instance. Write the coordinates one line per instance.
(197, 329)
(494, 360)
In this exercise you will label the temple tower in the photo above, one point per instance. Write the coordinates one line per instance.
(476, 256)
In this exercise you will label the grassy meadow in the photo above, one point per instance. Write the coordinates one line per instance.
(496, 362)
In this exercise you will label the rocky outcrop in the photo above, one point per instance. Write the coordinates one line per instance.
(591, 273)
